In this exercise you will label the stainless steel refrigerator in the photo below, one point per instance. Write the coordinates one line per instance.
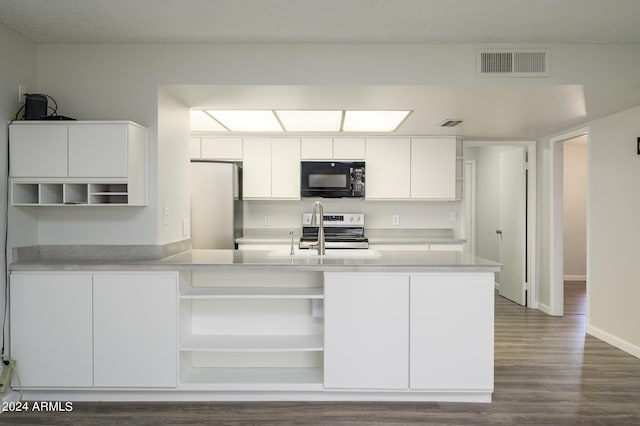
(216, 205)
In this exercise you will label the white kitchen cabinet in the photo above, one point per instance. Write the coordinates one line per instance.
(349, 148)
(317, 148)
(271, 168)
(433, 168)
(220, 148)
(446, 247)
(78, 163)
(98, 150)
(285, 168)
(388, 168)
(51, 329)
(406, 331)
(38, 150)
(135, 330)
(366, 331)
(256, 168)
(94, 329)
(451, 351)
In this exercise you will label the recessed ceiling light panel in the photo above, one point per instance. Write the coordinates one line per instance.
(373, 121)
(247, 120)
(310, 120)
(203, 122)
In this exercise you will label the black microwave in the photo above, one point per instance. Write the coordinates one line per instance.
(332, 179)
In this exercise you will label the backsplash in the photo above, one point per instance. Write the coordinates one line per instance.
(378, 214)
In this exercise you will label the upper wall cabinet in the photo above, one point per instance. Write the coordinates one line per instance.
(216, 148)
(433, 168)
(79, 162)
(332, 148)
(388, 163)
(421, 168)
(271, 168)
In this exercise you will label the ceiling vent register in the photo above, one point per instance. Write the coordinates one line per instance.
(513, 63)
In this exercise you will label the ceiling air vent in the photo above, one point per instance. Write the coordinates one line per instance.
(513, 63)
(449, 123)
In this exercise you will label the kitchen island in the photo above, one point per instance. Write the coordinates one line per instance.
(244, 325)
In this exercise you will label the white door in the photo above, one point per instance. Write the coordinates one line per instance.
(512, 229)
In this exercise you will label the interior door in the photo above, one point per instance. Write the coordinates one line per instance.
(512, 224)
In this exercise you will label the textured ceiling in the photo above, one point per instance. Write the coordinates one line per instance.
(331, 21)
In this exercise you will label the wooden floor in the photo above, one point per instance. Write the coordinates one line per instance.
(547, 372)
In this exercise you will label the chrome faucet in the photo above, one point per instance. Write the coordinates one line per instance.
(318, 209)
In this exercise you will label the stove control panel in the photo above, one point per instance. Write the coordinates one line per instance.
(338, 219)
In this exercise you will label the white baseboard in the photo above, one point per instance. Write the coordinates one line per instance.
(614, 341)
(544, 308)
(575, 277)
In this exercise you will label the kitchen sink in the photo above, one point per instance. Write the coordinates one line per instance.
(329, 254)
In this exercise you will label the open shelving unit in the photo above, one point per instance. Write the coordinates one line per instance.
(65, 194)
(250, 331)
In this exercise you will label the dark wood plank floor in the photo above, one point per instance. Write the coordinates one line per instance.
(547, 372)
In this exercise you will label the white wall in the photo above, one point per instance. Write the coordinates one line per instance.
(18, 66)
(173, 178)
(575, 208)
(413, 214)
(614, 234)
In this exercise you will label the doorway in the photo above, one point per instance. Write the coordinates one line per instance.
(503, 227)
(557, 227)
(575, 225)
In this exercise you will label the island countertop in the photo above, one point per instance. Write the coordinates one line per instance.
(388, 261)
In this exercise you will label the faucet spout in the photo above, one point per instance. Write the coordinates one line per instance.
(318, 210)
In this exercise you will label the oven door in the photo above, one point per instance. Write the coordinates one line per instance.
(327, 179)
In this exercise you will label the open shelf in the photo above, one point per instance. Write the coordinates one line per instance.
(252, 293)
(235, 343)
(68, 194)
(252, 378)
(25, 194)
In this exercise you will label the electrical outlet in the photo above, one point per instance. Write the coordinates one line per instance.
(267, 221)
(186, 227)
(317, 308)
(395, 219)
(165, 216)
(453, 216)
(22, 90)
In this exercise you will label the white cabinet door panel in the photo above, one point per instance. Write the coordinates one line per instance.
(316, 148)
(98, 150)
(456, 340)
(256, 168)
(388, 168)
(51, 329)
(226, 149)
(366, 331)
(349, 148)
(433, 168)
(285, 168)
(135, 330)
(38, 151)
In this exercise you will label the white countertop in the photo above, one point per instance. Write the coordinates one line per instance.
(389, 261)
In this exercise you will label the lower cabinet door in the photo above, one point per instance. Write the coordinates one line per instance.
(366, 331)
(51, 334)
(135, 336)
(452, 332)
